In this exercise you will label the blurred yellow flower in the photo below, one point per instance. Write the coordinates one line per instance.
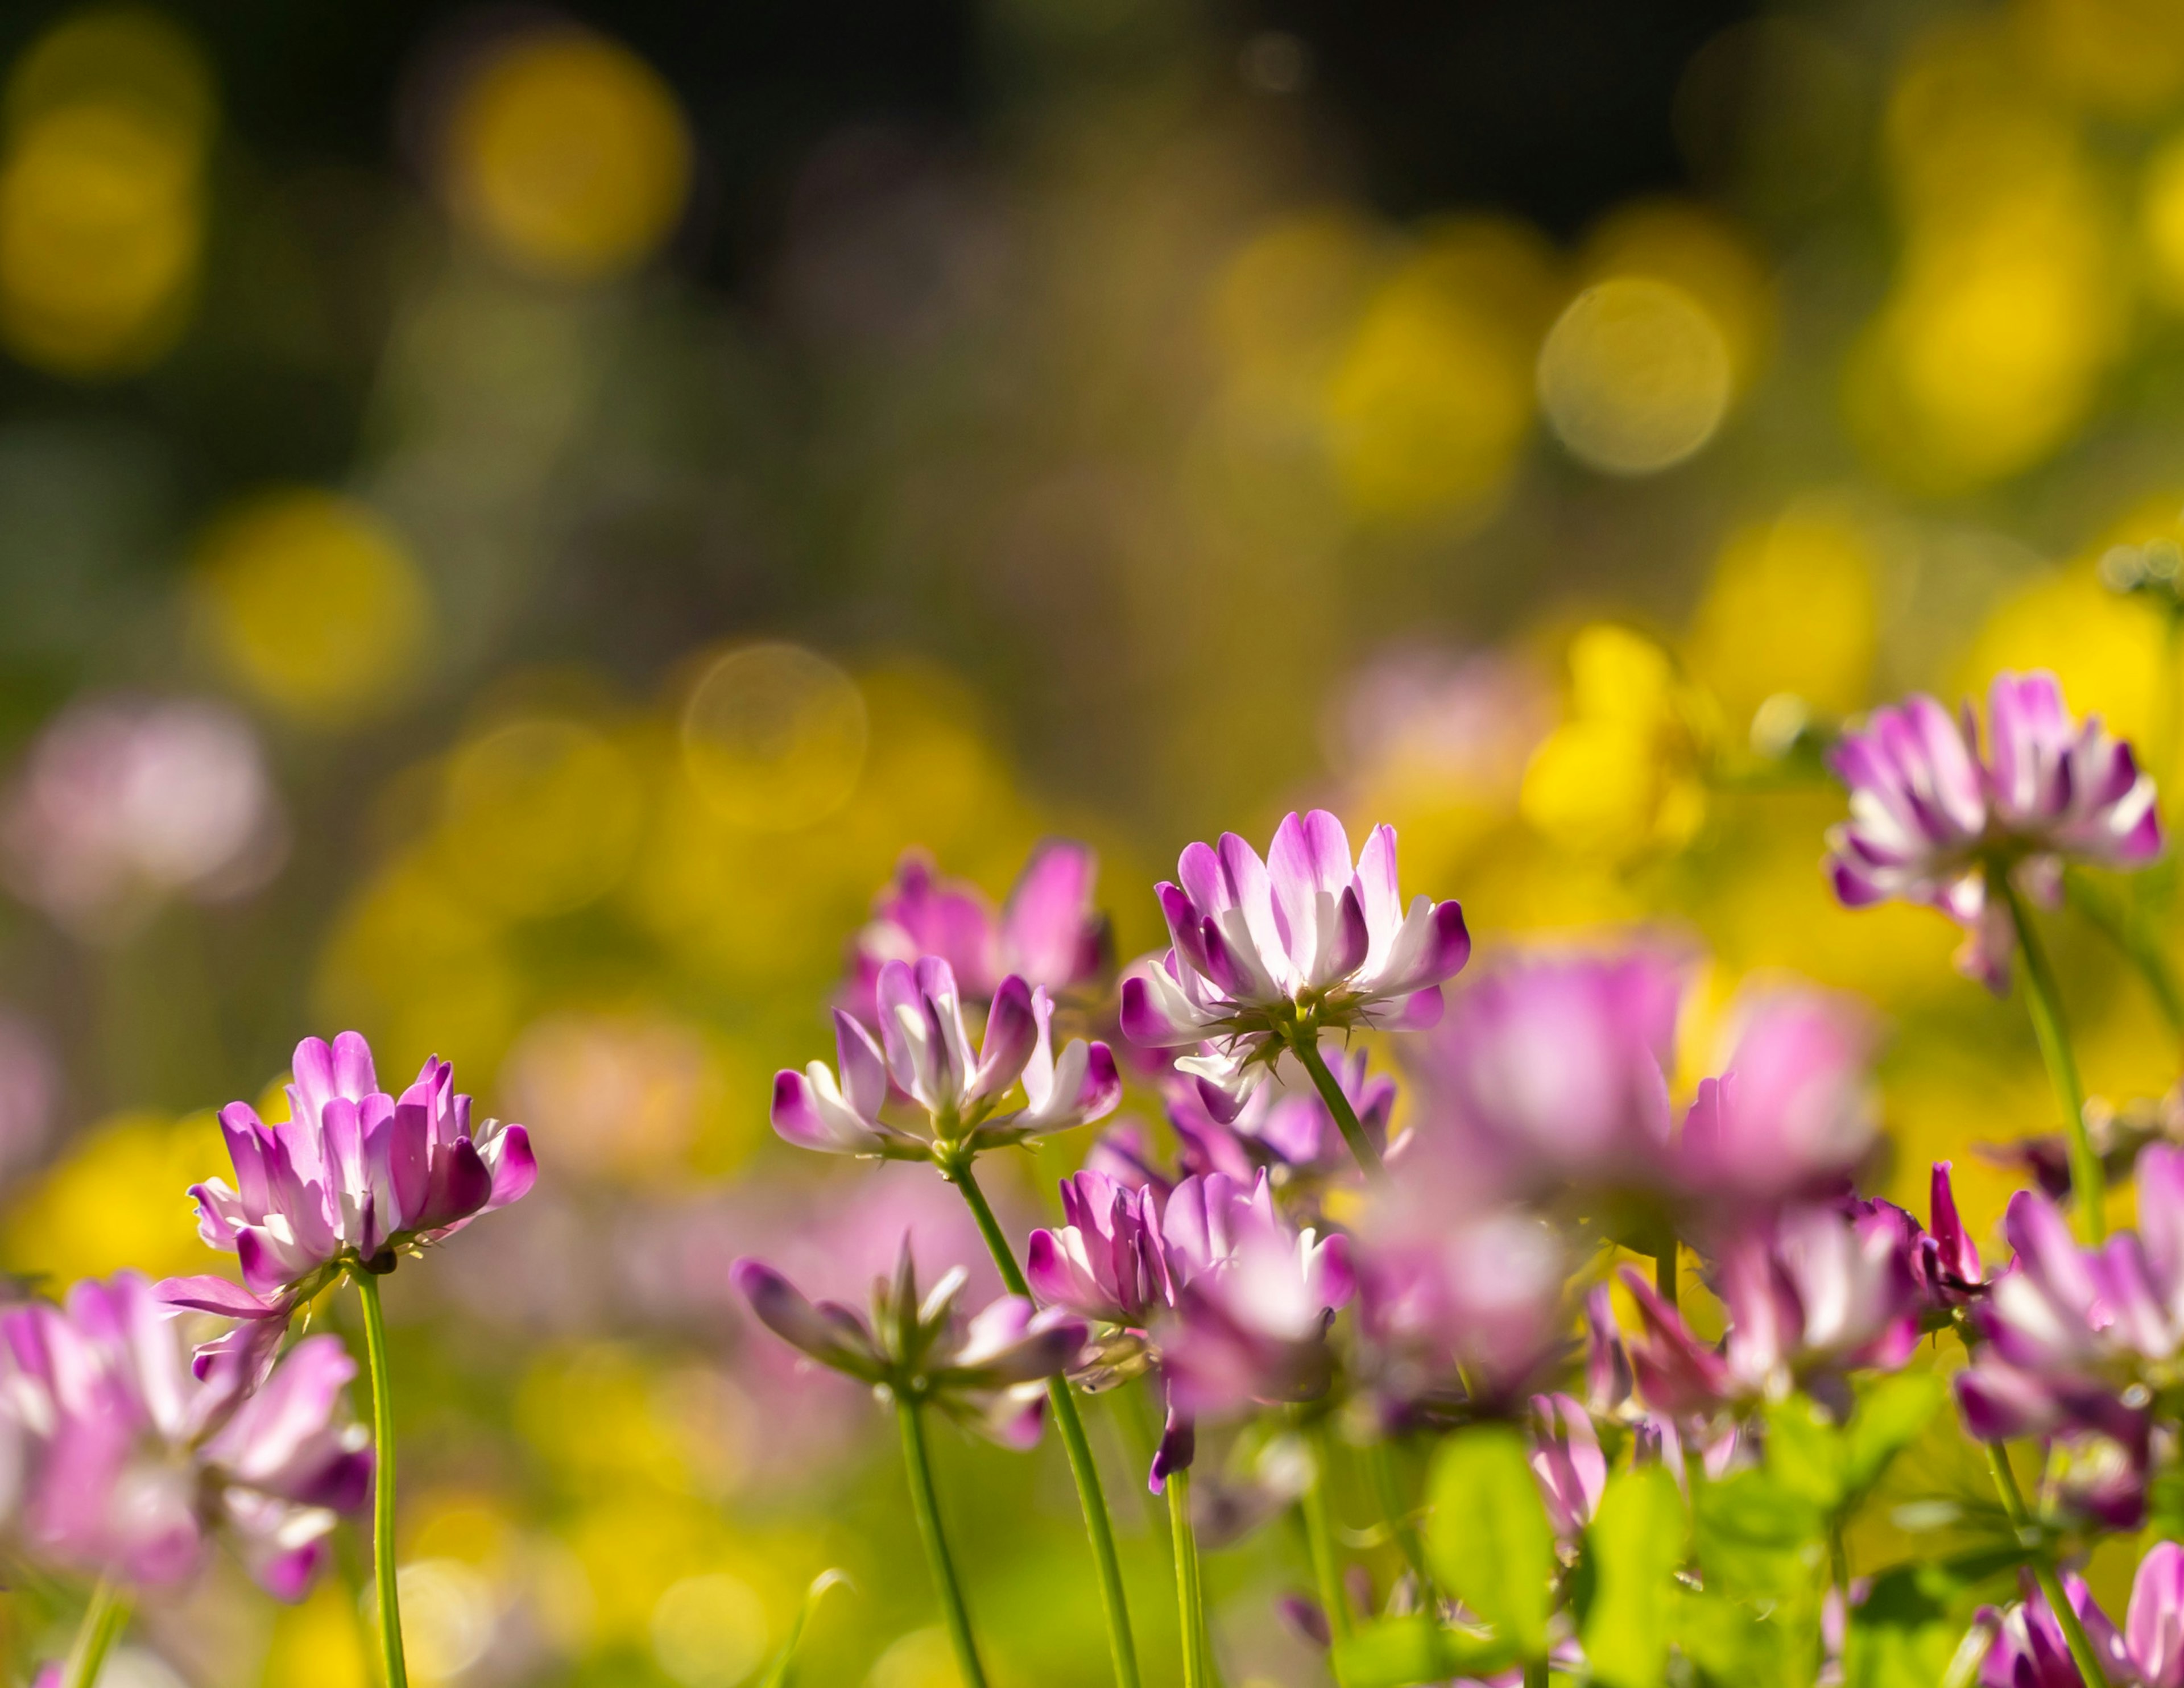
(2120, 57)
(313, 600)
(120, 1198)
(319, 1644)
(569, 153)
(1432, 400)
(710, 1631)
(1279, 308)
(108, 116)
(1790, 609)
(2161, 222)
(1620, 774)
(2106, 650)
(920, 1659)
(1636, 375)
(540, 816)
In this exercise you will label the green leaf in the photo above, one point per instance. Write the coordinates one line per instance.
(1637, 1541)
(1397, 1652)
(1757, 1537)
(781, 1672)
(1805, 1451)
(1902, 1635)
(1489, 1539)
(1889, 1418)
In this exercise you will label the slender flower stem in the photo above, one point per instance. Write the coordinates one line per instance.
(1305, 1044)
(1380, 1468)
(1666, 1266)
(2087, 1182)
(1070, 1428)
(1535, 1672)
(2043, 1570)
(910, 1417)
(1319, 1540)
(383, 1501)
(1190, 1594)
(103, 1621)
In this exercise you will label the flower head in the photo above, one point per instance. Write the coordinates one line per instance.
(1303, 942)
(2029, 1649)
(133, 1462)
(1931, 817)
(1048, 932)
(954, 1093)
(351, 1178)
(1277, 1124)
(1566, 1459)
(988, 1370)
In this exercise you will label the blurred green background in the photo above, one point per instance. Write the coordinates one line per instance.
(511, 520)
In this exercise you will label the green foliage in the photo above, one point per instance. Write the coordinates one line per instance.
(1903, 1635)
(1489, 1540)
(782, 1672)
(1397, 1652)
(1637, 1541)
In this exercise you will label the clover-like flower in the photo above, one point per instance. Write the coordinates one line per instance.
(1268, 952)
(987, 1370)
(1931, 818)
(352, 1178)
(2029, 1650)
(133, 1464)
(1047, 933)
(952, 1096)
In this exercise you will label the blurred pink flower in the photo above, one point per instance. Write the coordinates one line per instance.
(1930, 817)
(1304, 942)
(988, 1370)
(2029, 1650)
(132, 1462)
(1566, 1459)
(1048, 932)
(125, 802)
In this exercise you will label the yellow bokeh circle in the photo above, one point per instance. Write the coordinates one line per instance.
(541, 816)
(1636, 375)
(774, 737)
(709, 1631)
(312, 601)
(2161, 222)
(102, 215)
(569, 153)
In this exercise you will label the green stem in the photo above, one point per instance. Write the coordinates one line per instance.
(1380, 1468)
(2043, 1569)
(1666, 1263)
(103, 1621)
(2088, 1181)
(957, 1169)
(926, 1505)
(1535, 1672)
(1305, 1043)
(2125, 928)
(1319, 1540)
(1189, 1593)
(396, 1667)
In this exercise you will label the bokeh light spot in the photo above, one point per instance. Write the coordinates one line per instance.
(448, 1617)
(709, 1631)
(1432, 399)
(315, 604)
(569, 153)
(541, 816)
(1636, 375)
(2161, 222)
(111, 1203)
(773, 738)
(1791, 609)
(108, 116)
(919, 1659)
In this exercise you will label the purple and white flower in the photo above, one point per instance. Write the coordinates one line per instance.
(2029, 1649)
(952, 1097)
(1048, 932)
(1304, 942)
(353, 1178)
(132, 1463)
(988, 1370)
(1932, 816)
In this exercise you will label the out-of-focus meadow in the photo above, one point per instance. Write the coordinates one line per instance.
(506, 535)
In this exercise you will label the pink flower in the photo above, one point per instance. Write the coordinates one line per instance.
(987, 1370)
(1793, 1114)
(956, 1094)
(1550, 1072)
(351, 1178)
(133, 1462)
(1930, 818)
(1301, 942)
(1455, 1316)
(1566, 1459)
(1278, 1123)
(2029, 1650)
(125, 802)
(1048, 932)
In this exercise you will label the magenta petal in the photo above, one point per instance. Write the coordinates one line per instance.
(211, 1295)
(263, 1271)
(515, 1171)
(289, 1576)
(1011, 1035)
(466, 1184)
(408, 1139)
